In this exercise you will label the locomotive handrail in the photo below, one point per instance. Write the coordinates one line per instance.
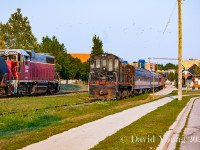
(10, 73)
(110, 79)
(117, 83)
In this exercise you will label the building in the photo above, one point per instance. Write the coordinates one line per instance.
(189, 75)
(82, 57)
(148, 66)
(190, 62)
(191, 78)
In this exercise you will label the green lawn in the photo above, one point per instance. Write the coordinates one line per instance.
(145, 133)
(24, 104)
(185, 92)
(79, 86)
(24, 128)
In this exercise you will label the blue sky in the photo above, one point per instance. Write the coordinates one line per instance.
(131, 29)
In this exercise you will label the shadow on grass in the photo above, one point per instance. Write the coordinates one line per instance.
(15, 125)
(70, 87)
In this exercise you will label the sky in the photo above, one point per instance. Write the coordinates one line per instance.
(130, 29)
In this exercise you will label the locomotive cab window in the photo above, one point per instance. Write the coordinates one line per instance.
(116, 64)
(104, 62)
(12, 57)
(98, 63)
(26, 60)
(92, 64)
(110, 65)
(4, 57)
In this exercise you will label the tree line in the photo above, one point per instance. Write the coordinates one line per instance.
(16, 33)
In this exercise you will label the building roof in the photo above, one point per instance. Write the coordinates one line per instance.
(82, 57)
(192, 69)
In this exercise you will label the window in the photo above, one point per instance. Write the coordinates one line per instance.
(12, 57)
(4, 57)
(19, 57)
(92, 64)
(110, 65)
(104, 63)
(49, 60)
(26, 60)
(116, 64)
(98, 63)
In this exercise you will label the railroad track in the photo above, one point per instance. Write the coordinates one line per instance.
(2, 97)
(49, 107)
(45, 108)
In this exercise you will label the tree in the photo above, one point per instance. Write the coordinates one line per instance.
(171, 76)
(55, 48)
(160, 66)
(85, 71)
(2, 42)
(68, 66)
(169, 66)
(97, 46)
(17, 32)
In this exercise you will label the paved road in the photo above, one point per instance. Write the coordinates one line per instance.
(86, 136)
(191, 140)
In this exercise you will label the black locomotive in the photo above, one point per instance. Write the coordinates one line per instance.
(111, 78)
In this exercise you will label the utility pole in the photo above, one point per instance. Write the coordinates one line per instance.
(179, 50)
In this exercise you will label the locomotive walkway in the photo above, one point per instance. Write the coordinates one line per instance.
(88, 135)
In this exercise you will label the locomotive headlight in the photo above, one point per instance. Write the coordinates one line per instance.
(101, 92)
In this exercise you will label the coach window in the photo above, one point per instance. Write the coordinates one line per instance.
(116, 64)
(110, 65)
(98, 63)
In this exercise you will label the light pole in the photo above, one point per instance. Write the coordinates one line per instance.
(179, 50)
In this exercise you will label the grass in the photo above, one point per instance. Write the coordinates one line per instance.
(144, 133)
(79, 86)
(185, 92)
(24, 104)
(21, 129)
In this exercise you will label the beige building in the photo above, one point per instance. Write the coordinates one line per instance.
(189, 72)
(190, 62)
(147, 65)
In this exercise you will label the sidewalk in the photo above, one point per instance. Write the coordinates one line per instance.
(191, 139)
(88, 135)
(167, 90)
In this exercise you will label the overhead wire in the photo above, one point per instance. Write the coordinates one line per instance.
(175, 5)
